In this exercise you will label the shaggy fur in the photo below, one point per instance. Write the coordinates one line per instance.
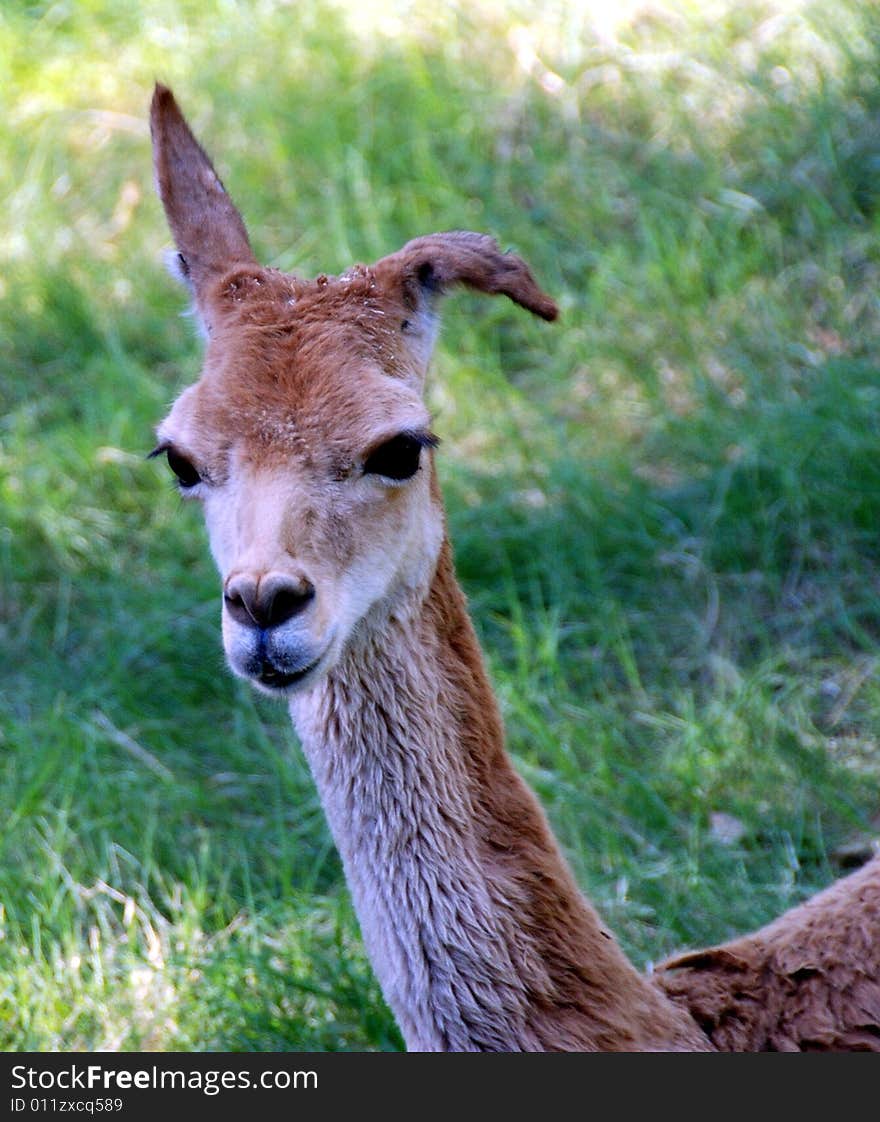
(477, 931)
(808, 982)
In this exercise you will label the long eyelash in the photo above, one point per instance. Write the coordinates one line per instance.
(176, 482)
(423, 439)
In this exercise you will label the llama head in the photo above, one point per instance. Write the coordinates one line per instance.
(306, 438)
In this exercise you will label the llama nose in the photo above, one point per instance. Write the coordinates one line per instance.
(266, 601)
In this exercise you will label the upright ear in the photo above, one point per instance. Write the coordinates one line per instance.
(427, 266)
(209, 232)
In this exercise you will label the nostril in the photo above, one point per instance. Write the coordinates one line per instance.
(286, 601)
(240, 599)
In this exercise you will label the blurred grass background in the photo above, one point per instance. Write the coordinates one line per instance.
(664, 508)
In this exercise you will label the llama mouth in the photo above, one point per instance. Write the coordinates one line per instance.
(272, 678)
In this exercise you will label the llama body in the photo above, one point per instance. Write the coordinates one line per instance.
(309, 444)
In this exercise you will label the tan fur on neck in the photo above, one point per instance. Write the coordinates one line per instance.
(474, 924)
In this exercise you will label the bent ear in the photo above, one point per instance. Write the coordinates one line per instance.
(427, 266)
(209, 232)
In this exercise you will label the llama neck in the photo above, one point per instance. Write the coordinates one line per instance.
(474, 925)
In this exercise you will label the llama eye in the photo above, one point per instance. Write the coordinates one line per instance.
(398, 458)
(187, 476)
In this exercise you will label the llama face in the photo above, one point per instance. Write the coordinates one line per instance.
(310, 451)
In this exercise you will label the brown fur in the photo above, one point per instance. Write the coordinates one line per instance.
(301, 379)
(585, 995)
(809, 981)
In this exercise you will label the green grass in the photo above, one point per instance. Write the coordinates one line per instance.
(664, 509)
